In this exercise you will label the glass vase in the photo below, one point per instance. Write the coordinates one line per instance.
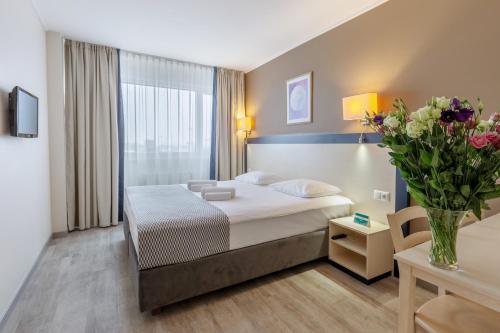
(444, 226)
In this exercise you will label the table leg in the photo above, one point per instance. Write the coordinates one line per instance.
(407, 285)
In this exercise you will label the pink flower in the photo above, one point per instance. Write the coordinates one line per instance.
(498, 128)
(450, 129)
(495, 116)
(478, 141)
(492, 137)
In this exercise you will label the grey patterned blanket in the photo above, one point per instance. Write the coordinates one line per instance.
(174, 225)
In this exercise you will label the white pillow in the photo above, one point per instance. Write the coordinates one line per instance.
(258, 178)
(305, 188)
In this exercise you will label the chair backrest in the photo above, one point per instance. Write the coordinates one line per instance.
(399, 218)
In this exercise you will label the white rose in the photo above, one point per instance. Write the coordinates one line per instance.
(442, 102)
(435, 113)
(430, 124)
(391, 122)
(422, 114)
(484, 125)
(414, 129)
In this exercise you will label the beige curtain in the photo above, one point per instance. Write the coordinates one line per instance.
(230, 107)
(91, 73)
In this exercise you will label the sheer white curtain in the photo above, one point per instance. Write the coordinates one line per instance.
(167, 110)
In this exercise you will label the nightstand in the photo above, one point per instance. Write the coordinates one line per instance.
(366, 253)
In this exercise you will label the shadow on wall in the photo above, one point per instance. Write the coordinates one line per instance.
(4, 113)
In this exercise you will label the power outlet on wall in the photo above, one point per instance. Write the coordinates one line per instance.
(381, 195)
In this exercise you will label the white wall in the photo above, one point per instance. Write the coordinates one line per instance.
(55, 94)
(360, 170)
(24, 163)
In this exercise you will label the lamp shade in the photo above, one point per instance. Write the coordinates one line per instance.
(355, 107)
(245, 124)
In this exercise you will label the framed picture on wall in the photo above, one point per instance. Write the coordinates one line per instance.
(299, 99)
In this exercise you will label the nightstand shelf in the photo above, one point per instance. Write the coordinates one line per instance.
(365, 252)
(353, 244)
(354, 263)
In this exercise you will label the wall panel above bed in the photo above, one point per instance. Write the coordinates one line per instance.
(338, 159)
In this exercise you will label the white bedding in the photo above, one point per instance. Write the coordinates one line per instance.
(254, 232)
(260, 214)
(254, 202)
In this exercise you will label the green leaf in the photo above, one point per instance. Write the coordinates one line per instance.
(487, 189)
(435, 158)
(446, 177)
(412, 164)
(458, 200)
(414, 184)
(419, 197)
(396, 156)
(459, 171)
(435, 185)
(449, 187)
(426, 158)
(476, 207)
(465, 190)
(404, 174)
(491, 195)
(400, 149)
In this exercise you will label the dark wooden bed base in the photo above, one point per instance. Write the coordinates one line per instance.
(161, 286)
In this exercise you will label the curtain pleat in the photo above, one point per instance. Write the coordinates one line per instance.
(167, 108)
(230, 107)
(91, 135)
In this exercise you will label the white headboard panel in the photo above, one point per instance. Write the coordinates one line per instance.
(357, 169)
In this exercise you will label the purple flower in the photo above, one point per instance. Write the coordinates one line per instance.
(463, 114)
(378, 120)
(447, 116)
(455, 102)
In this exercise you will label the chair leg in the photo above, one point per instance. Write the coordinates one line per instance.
(441, 291)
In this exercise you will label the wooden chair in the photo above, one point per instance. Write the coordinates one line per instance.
(401, 242)
(450, 313)
(397, 219)
(445, 313)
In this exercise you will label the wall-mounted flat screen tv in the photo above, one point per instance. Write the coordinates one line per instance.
(23, 108)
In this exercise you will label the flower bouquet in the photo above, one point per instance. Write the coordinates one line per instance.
(450, 161)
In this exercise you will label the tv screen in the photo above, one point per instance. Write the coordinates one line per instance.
(24, 113)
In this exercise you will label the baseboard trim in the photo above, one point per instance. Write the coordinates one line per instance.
(59, 234)
(7, 315)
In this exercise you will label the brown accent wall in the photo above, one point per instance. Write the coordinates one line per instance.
(409, 48)
(413, 49)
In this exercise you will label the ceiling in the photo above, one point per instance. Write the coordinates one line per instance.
(239, 34)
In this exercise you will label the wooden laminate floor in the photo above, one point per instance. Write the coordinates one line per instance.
(82, 285)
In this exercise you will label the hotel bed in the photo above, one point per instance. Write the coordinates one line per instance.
(258, 232)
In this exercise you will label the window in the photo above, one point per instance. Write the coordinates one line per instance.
(167, 109)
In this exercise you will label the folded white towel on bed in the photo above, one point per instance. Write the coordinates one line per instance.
(212, 189)
(197, 185)
(217, 196)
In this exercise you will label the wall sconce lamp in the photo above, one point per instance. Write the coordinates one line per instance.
(356, 107)
(245, 124)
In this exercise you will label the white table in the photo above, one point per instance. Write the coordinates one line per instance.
(477, 279)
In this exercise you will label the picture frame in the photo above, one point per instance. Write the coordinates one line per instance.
(299, 99)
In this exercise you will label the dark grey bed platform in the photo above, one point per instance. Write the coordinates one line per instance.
(161, 286)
